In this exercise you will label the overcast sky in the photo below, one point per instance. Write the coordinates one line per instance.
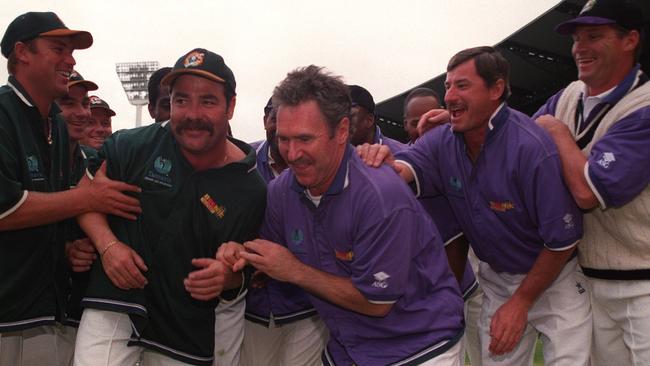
(386, 46)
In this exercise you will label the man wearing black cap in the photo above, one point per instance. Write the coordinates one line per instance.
(34, 182)
(100, 126)
(158, 95)
(159, 283)
(363, 128)
(601, 125)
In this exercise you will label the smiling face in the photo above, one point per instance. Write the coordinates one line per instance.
(469, 100)
(49, 63)
(312, 151)
(98, 129)
(75, 109)
(199, 114)
(602, 55)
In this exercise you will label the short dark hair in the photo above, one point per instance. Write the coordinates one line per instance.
(490, 66)
(622, 32)
(421, 92)
(153, 87)
(314, 83)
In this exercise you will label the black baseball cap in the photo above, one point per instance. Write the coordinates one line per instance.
(77, 79)
(97, 102)
(624, 13)
(362, 98)
(41, 24)
(202, 62)
(269, 106)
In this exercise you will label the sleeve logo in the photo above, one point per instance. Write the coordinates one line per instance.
(380, 280)
(606, 159)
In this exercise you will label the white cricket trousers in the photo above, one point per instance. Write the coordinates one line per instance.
(561, 316)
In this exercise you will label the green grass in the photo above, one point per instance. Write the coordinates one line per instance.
(538, 359)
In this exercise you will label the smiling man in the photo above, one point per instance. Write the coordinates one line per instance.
(34, 188)
(199, 189)
(100, 125)
(601, 125)
(354, 238)
(501, 175)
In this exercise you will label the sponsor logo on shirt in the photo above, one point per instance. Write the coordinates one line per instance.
(501, 206)
(344, 256)
(160, 172)
(208, 202)
(32, 167)
(380, 280)
(568, 221)
(606, 159)
(455, 183)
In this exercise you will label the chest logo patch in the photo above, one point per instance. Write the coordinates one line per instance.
(606, 159)
(208, 202)
(32, 167)
(160, 172)
(344, 256)
(455, 183)
(297, 236)
(162, 165)
(380, 280)
(501, 206)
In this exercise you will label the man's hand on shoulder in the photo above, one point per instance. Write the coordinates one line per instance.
(109, 196)
(431, 119)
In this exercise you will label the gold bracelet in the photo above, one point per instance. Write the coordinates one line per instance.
(107, 247)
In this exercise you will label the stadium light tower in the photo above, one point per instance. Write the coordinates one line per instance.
(134, 77)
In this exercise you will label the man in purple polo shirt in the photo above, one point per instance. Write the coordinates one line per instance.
(601, 125)
(282, 326)
(501, 175)
(355, 238)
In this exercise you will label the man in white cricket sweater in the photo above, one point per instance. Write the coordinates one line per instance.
(601, 125)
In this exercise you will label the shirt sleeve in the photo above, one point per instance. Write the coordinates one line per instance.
(617, 167)
(422, 159)
(383, 251)
(12, 192)
(443, 217)
(548, 199)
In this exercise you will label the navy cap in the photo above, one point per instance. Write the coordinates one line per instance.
(77, 79)
(202, 62)
(362, 98)
(41, 24)
(624, 13)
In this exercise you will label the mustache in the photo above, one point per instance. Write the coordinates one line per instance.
(194, 124)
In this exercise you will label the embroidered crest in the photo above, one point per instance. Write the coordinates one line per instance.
(162, 165)
(455, 183)
(194, 59)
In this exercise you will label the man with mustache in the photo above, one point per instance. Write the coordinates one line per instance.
(154, 291)
(601, 125)
(502, 177)
(335, 228)
(35, 198)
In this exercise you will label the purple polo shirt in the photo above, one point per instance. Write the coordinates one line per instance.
(617, 164)
(512, 201)
(393, 144)
(438, 208)
(282, 301)
(368, 227)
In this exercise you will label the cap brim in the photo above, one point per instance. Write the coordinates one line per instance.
(80, 39)
(567, 27)
(169, 78)
(89, 85)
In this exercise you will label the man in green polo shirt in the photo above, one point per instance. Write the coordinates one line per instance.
(34, 182)
(154, 290)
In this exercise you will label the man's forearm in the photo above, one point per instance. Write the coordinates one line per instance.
(545, 270)
(337, 290)
(42, 208)
(96, 227)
